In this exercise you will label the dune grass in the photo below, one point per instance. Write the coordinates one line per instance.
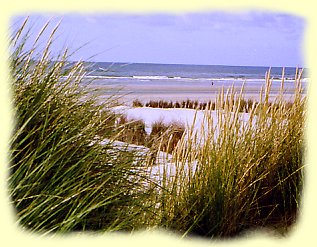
(131, 131)
(165, 137)
(61, 178)
(245, 105)
(243, 175)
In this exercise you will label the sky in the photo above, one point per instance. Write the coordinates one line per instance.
(253, 38)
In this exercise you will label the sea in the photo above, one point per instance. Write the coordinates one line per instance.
(147, 81)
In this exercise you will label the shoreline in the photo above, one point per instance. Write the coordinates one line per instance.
(144, 92)
(127, 98)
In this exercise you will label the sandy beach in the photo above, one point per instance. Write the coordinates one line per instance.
(177, 92)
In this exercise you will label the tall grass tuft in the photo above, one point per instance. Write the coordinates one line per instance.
(131, 131)
(165, 137)
(61, 178)
(244, 172)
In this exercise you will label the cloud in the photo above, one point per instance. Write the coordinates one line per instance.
(228, 21)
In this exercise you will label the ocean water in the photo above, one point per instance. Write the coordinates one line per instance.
(178, 81)
(161, 71)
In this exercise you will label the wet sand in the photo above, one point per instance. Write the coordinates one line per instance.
(148, 92)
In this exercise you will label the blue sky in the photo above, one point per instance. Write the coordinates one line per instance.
(226, 38)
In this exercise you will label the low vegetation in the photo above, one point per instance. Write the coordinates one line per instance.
(244, 105)
(165, 137)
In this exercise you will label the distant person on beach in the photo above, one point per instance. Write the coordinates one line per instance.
(212, 83)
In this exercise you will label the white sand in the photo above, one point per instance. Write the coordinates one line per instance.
(188, 117)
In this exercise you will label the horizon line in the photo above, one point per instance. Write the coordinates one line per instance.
(227, 65)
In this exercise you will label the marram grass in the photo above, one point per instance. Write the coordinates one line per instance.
(244, 174)
(61, 179)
